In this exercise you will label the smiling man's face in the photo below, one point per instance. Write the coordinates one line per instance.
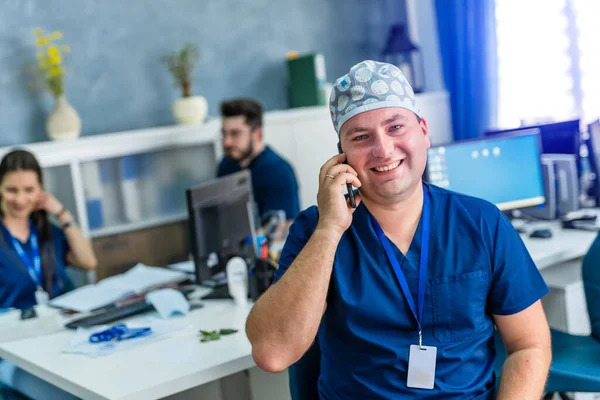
(388, 149)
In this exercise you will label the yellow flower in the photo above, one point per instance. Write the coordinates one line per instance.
(55, 36)
(53, 52)
(50, 58)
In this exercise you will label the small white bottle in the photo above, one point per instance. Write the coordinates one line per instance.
(237, 280)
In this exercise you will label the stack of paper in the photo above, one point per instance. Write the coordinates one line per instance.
(184, 266)
(137, 280)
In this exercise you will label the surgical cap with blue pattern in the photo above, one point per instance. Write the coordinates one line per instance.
(369, 85)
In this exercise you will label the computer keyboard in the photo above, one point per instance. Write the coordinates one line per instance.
(111, 314)
(116, 313)
(220, 292)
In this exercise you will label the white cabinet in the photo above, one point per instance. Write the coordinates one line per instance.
(125, 181)
(565, 305)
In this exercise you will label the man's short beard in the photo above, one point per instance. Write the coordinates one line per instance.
(247, 153)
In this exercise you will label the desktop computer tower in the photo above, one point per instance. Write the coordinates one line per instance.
(547, 211)
(567, 176)
(561, 187)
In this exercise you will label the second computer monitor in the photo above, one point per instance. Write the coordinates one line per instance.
(556, 138)
(505, 170)
(221, 219)
(593, 145)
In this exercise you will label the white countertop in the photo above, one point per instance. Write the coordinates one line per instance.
(151, 371)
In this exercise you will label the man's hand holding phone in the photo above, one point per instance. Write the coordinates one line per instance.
(335, 212)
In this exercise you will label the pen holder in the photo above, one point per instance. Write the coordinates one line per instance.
(261, 277)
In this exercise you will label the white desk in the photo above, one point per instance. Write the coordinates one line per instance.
(152, 371)
(181, 362)
(563, 246)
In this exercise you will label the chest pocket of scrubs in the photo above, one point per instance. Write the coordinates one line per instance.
(459, 303)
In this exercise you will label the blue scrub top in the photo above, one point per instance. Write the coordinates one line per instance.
(274, 183)
(17, 289)
(478, 266)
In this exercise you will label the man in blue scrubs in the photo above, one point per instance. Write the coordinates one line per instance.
(274, 183)
(402, 292)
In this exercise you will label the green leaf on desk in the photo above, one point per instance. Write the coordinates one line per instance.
(208, 336)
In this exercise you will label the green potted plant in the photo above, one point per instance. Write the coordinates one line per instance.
(188, 109)
(63, 122)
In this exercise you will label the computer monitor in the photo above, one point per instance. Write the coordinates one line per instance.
(593, 146)
(505, 170)
(221, 219)
(556, 138)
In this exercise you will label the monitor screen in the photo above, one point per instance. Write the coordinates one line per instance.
(505, 170)
(221, 219)
(593, 147)
(594, 139)
(556, 138)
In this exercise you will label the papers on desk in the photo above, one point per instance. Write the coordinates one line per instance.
(188, 267)
(137, 280)
(184, 266)
(80, 342)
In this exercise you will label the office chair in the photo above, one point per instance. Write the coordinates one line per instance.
(575, 359)
(304, 374)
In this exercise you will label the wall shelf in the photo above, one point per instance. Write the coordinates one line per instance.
(138, 225)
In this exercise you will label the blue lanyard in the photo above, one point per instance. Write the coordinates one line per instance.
(119, 332)
(34, 268)
(422, 263)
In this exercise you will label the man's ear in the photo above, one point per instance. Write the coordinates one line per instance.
(425, 130)
(258, 134)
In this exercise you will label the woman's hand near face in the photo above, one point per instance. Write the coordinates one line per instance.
(49, 203)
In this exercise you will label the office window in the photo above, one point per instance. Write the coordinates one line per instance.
(548, 51)
(587, 15)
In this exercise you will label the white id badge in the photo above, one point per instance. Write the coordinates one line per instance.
(41, 296)
(421, 367)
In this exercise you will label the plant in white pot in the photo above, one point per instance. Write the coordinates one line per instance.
(63, 122)
(188, 109)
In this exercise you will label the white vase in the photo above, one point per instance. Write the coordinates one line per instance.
(190, 110)
(63, 123)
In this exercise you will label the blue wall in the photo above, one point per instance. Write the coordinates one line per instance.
(117, 81)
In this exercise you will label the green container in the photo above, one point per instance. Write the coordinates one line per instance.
(307, 78)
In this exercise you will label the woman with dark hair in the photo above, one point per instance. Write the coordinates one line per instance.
(33, 251)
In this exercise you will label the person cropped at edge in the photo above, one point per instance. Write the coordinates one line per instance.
(274, 183)
(33, 254)
(351, 277)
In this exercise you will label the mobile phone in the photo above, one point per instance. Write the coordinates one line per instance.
(348, 185)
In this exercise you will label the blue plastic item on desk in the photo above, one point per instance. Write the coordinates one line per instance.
(119, 332)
